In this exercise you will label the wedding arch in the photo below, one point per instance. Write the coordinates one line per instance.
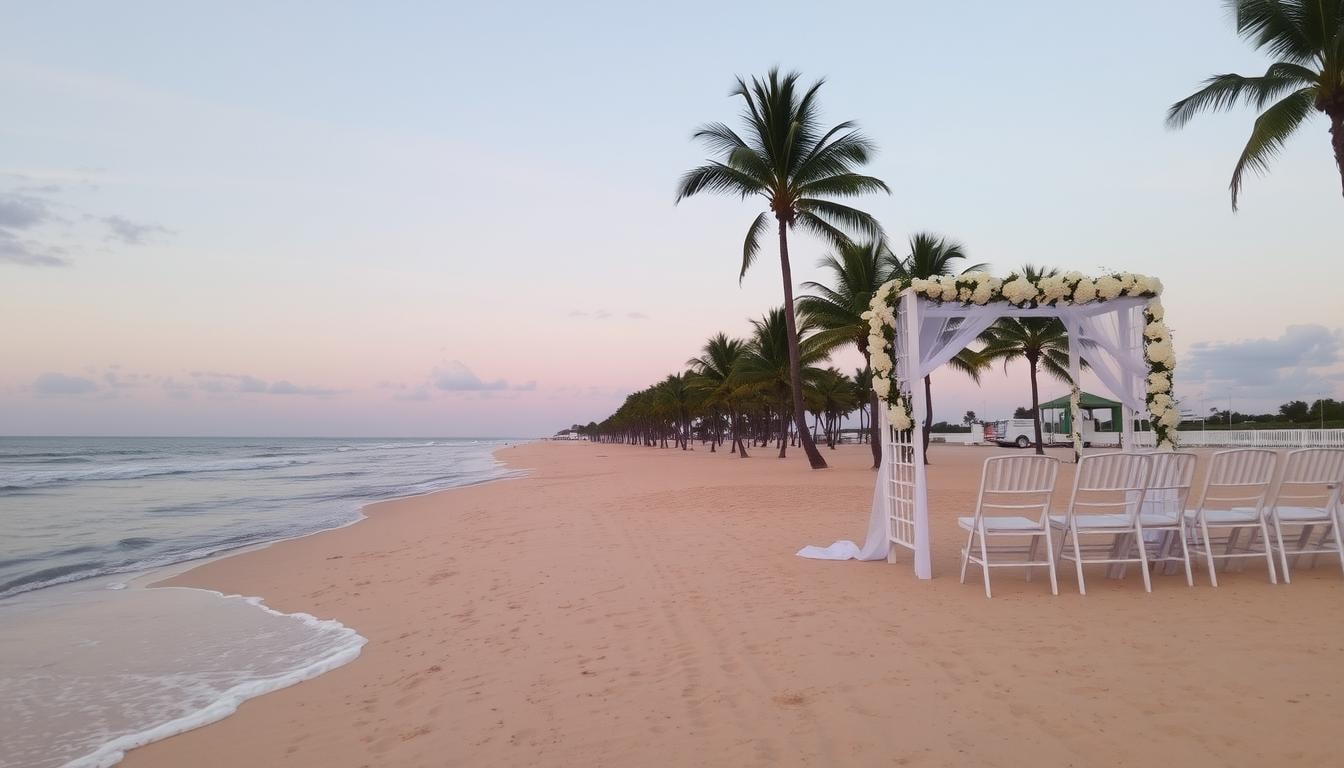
(915, 326)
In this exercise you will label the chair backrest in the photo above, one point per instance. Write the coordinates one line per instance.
(1110, 483)
(1240, 477)
(1169, 480)
(1020, 484)
(1311, 479)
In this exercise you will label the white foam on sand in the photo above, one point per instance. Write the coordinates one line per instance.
(98, 672)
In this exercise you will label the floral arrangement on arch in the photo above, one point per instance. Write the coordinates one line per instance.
(1067, 288)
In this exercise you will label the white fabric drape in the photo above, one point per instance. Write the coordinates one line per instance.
(875, 543)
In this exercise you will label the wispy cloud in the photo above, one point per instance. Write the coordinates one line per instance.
(454, 376)
(30, 253)
(130, 232)
(55, 384)
(212, 381)
(636, 315)
(19, 211)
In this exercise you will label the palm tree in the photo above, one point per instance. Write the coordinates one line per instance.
(1307, 38)
(766, 367)
(857, 270)
(795, 164)
(933, 256)
(1041, 341)
(712, 373)
(675, 397)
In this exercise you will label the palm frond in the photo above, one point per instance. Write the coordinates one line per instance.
(717, 177)
(841, 215)
(820, 227)
(1271, 130)
(752, 244)
(1226, 91)
(1276, 26)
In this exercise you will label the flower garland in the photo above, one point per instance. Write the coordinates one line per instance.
(1068, 288)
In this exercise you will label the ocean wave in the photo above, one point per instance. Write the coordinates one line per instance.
(385, 446)
(15, 481)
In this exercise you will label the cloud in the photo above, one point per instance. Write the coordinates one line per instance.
(211, 381)
(636, 315)
(527, 386)
(577, 313)
(601, 314)
(419, 394)
(22, 211)
(59, 384)
(457, 377)
(1295, 365)
(30, 253)
(130, 232)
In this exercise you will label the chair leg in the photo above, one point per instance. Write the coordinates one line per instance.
(1031, 554)
(1185, 555)
(1050, 558)
(984, 561)
(1283, 554)
(1269, 551)
(1208, 552)
(1339, 540)
(966, 554)
(1143, 556)
(1077, 558)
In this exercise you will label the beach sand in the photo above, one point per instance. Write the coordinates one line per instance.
(632, 606)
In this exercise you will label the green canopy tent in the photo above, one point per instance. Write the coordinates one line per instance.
(1087, 402)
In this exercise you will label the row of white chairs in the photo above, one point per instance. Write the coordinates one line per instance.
(1134, 508)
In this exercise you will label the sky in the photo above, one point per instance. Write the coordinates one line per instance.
(441, 219)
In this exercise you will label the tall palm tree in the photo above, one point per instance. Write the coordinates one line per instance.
(1041, 341)
(1307, 38)
(788, 158)
(929, 256)
(766, 366)
(712, 373)
(857, 271)
(676, 398)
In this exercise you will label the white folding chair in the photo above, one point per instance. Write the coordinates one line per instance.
(1106, 481)
(1307, 496)
(1164, 503)
(1021, 484)
(1234, 495)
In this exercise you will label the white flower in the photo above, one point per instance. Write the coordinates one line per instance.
(898, 417)
(1155, 309)
(1019, 290)
(880, 360)
(881, 385)
(1160, 352)
(1108, 287)
(1155, 331)
(1053, 289)
(1158, 382)
(963, 294)
(1127, 282)
(982, 293)
(1084, 292)
(1160, 404)
(1171, 419)
(1148, 286)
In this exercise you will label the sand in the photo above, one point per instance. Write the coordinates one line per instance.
(632, 606)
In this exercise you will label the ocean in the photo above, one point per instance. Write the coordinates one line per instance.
(91, 662)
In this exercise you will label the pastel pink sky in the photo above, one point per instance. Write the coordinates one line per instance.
(467, 227)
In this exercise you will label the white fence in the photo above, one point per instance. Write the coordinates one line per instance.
(1228, 438)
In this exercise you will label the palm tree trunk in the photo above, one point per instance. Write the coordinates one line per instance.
(1036, 407)
(874, 430)
(1337, 136)
(928, 414)
(814, 456)
(738, 445)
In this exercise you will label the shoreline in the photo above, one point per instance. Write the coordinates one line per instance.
(627, 605)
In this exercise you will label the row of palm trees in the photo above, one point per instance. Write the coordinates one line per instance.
(738, 392)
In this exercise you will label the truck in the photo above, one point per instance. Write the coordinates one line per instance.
(1022, 433)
